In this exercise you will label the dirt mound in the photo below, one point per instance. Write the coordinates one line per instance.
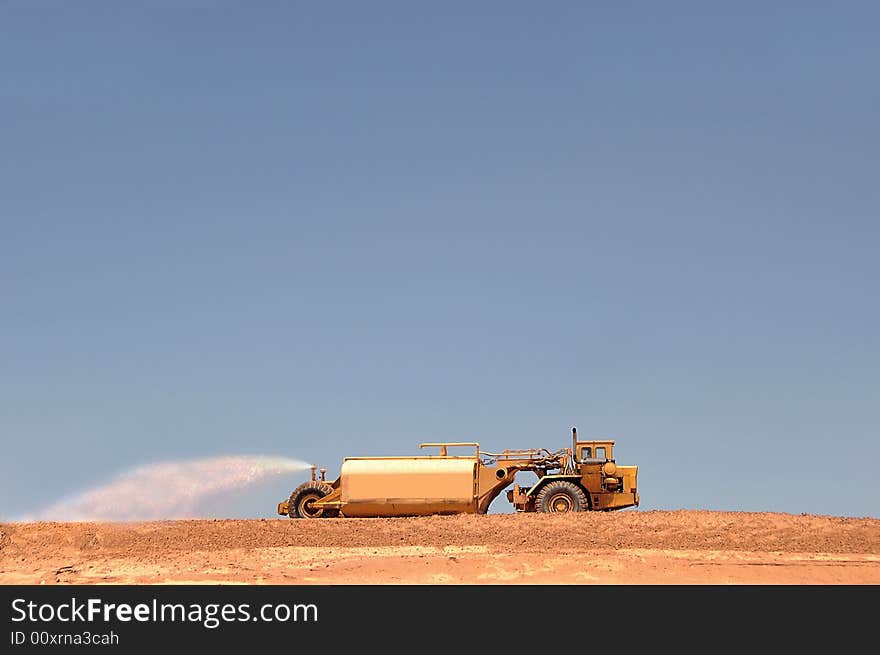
(682, 546)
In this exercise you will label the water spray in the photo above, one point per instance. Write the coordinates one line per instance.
(168, 490)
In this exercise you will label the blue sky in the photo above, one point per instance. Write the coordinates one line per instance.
(321, 231)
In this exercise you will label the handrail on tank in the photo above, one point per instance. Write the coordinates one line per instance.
(442, 445)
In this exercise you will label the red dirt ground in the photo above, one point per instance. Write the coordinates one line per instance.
(628, 547)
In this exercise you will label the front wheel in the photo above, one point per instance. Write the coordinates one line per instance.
(560, 497)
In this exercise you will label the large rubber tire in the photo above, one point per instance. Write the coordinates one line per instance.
(559, 497)
(300, 504)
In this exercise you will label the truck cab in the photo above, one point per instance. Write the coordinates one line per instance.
(607, 484)
(593, 452)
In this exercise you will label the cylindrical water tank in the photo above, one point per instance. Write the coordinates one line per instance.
(408, 486)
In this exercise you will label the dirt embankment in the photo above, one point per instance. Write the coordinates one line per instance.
(629, 547)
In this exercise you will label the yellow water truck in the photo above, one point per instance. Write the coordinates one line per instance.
(580, 478)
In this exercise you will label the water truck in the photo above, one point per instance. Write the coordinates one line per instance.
(580, 478)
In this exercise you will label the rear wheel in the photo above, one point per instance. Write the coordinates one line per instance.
(560, 497)
(302, 501)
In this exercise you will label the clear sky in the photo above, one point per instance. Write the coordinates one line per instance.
(317, 230)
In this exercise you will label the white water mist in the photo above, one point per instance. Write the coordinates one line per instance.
(168, 490)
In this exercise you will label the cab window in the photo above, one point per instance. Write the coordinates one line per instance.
(586, 452)
(600, 452)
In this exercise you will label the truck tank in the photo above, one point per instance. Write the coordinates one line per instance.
(408, 486)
